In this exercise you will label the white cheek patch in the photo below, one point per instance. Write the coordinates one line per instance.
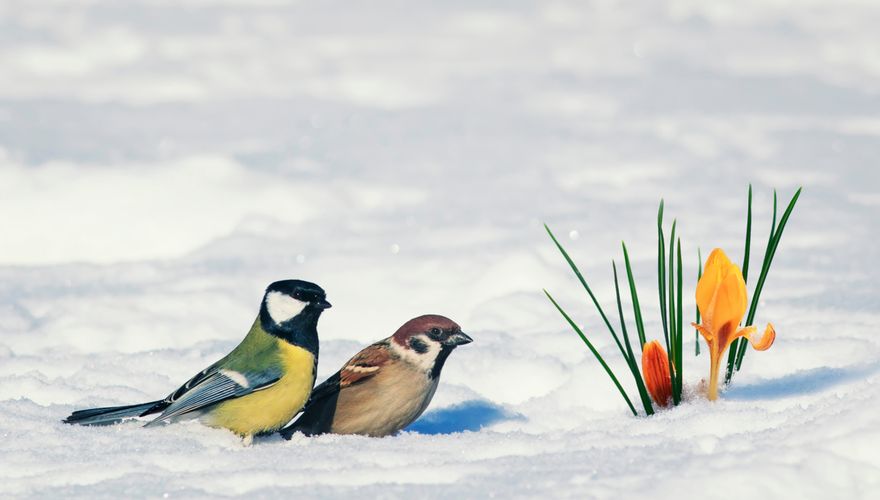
(282, 307)
(424, 361)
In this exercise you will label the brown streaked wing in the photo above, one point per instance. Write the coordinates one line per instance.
(364, 365)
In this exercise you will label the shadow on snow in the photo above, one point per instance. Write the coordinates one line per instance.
(468, 416)
(796, 384)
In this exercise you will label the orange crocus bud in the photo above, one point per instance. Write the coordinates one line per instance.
(655, 369)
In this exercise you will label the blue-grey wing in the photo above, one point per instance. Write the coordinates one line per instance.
(211, 387)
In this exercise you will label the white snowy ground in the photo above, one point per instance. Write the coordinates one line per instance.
(162, 162)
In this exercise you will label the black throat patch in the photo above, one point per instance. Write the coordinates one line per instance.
(444, 353)
(300, 330)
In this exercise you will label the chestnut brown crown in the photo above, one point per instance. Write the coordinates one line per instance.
(433, 326)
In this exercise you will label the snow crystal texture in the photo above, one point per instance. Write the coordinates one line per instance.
(162, 162)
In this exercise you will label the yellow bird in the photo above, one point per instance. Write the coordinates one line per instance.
(259, 386)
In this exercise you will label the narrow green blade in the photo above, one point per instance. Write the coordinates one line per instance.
(633, 367)
(739, 346)
(661, 273)
(583, 281)
(679, 368)
(734, 346)
(699, 275)
(594, 351)
(747, 251)
(672, 295)
(637, 310)
(765, 270)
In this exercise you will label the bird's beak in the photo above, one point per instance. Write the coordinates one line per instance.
(322, 304)
(456, 339)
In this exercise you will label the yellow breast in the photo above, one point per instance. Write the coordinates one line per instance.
(270, 409)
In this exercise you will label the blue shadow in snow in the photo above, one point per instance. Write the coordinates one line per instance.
(468, 416)
(796, 384)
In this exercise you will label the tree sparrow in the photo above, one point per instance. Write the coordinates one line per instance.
(386, 386)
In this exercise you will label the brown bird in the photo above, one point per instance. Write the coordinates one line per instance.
(386, 386)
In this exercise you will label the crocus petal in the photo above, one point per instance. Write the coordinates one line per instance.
(763, 342)
(713, 272)
(725, 336)
(655, 368)
(704, 332)
(730, 301)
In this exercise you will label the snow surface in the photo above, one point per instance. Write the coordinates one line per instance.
(161, 162)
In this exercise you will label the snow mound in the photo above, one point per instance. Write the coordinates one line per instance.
(160, 165)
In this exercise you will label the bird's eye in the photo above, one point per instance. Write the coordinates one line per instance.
(435, 332)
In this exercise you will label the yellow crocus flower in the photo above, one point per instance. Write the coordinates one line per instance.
(722, 299)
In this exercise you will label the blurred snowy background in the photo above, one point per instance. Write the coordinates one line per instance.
(162, 162)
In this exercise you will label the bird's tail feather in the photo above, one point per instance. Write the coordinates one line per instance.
(317, 418)
(110, 415)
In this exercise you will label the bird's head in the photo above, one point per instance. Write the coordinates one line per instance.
(291, 309)
(426, 341)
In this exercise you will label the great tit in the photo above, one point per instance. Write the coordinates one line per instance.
(386, 386)
(259, 386)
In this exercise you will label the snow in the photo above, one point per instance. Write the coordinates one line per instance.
(161, 163)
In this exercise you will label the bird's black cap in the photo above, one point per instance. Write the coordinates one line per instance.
(300, 329)
(305, 291)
